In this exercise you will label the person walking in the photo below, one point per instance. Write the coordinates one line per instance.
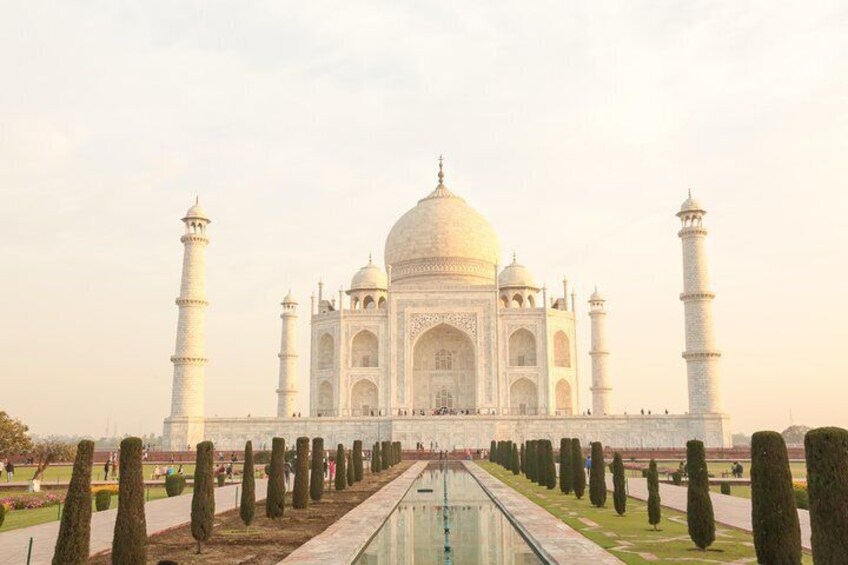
(106, 469)
(10, 471)
(287, 473)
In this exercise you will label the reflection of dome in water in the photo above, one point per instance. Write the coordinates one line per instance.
(442, 238)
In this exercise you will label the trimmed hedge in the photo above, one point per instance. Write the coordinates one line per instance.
(72, 543)
(350, 477)
(316, 479)
(522, 458)
(725, 488)
(699, 507)
(102, 500)
(385, 456)
(174, 485)
(341, 468)
(357, 460)
(827, 487)
(203, 499)
(774, 515)
(129, 542)
(275, 499)
(516, 462)
(565, 470)
(578, 475)
(597, 476)
(550, 466)
(619, 493)
(247, 506)
(376, 464)
(492, 450)
(300, 496)
(654, 506)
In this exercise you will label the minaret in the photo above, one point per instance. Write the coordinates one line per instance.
(601, 390)
(185, 426)
(287, 391)
(701, 353)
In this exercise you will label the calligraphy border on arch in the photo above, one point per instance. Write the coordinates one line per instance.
(464, 321)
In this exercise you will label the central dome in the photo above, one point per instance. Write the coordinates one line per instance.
(442, 238)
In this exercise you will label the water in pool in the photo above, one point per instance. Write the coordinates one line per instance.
(479, 533)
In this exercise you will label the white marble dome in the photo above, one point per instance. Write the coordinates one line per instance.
(516, 276)
(442, 238)
(369, 277)
(196, 212)
(691, 205)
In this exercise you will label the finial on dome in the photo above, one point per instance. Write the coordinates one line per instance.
(514, 260)
(196, 199)
(369, 257)
(441, 170)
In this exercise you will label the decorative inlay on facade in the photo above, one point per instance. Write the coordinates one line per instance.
(189, 360)
(464, 321)
(702, 295)
(191, 302)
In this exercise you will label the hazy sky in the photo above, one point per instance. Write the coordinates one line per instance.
(308, 128)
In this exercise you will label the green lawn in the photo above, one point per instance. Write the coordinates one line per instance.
(23, 518)
(630, 535)
(742, 491)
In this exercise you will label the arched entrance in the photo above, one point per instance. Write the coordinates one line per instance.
(523, 398)
(363, 399)
(443, 371)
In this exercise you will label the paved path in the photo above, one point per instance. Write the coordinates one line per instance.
(345, 539)
(161, 515)
(729, 510)
(557, 542)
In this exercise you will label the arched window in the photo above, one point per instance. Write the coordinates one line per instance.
(444, 360)
(382, 302)
(563, 398)
(364, 351)
(444, 398)
(326, 352)
(531, 302)
(517, 301)
(523, 398)
(505, 301)
(363, 398)
(522, 348)
(325, 399)
(368, 302)
(562, 350)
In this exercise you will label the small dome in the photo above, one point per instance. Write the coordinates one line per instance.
(691, 205)
(196, 212)
(369, 277)
(516, 276)
(596, 296)
(289, 299)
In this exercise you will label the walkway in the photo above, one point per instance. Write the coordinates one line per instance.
(730, 510)
(557, 542)
(345, 539)
(161, 515)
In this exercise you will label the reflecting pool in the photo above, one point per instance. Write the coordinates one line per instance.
(478, 531)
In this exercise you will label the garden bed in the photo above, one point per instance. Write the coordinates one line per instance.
(267, 542)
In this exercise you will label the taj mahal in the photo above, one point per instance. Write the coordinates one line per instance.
(446, 346)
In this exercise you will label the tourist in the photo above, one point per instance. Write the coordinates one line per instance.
(157, 472)
(106, 469)
(10, 471)
(588, 464)
(180, 470)
(332, 469)
(287, 473)
(230, 472)
(114, 470)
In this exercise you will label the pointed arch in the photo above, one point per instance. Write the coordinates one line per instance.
(325, 399)
(368, 303)
(326, 351)
(364, 350)
(562, 350)
(517, 301)
(382, 302)
(522, 348)
(563, 398)
(444, 357)
(363, 398)
(523, 397)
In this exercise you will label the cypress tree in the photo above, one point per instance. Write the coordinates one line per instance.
(565, 470)
(247, 508)
(774, 516)
(376, 464)
(300, 496)
(357, 460)
(203, 497)
(516, 463)
(619, 493)
(597, 476)
(541, 464)
(350, 477)
(129, 543)
(492, 448)
(699, 507)
(72, 544)
(827, 484)
(341, 468)
(522, 458)
(578, 475)
(2, 514)
(531, 460)
(385, 456)
(316, 480)
(275, 500)
(654, 507)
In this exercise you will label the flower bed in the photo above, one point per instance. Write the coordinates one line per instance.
(32, 501)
